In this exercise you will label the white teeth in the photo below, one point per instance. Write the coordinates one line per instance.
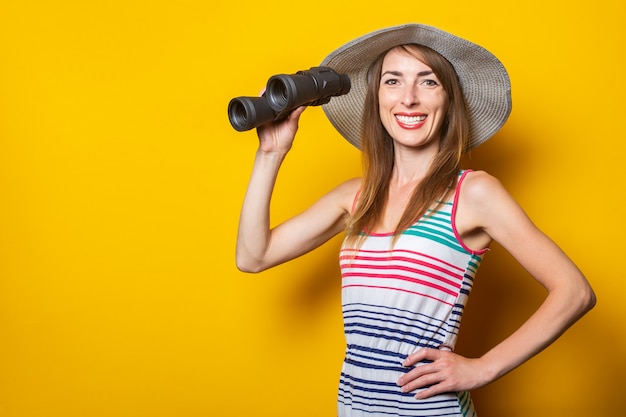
(410, 119)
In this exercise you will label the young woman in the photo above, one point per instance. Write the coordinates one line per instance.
(417, 225)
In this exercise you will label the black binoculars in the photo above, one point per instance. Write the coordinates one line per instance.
(284, 93)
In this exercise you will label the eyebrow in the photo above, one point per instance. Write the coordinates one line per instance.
(398, 73)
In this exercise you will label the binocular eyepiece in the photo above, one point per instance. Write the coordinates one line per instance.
(284, 93)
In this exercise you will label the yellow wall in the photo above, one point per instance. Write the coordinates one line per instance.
(121, 181)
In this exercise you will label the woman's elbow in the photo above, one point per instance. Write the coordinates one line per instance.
(584, 300)
(247, 267)
(248, 264)
(589, 299)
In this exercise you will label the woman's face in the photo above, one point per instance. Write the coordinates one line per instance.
(412, 101)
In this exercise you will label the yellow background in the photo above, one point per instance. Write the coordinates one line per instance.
(121, 181)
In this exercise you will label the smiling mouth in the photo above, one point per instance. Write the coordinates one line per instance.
(410, 120)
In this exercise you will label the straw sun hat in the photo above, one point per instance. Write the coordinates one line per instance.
(483, 78)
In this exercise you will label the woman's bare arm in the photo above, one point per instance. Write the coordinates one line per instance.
(260, 247)
(489, 207)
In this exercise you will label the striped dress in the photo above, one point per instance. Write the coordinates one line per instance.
(396, 301)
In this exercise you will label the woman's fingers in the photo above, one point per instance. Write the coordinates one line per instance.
(421, 355)
(438, 371)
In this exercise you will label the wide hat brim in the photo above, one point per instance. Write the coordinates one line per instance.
(484, 80)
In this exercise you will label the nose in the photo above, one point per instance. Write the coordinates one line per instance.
(410, 97)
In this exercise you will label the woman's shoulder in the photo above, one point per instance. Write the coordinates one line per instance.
(353, 183)
(484, 195)
(345, 193)
(480, 198)
(349, 187)
(480, 190)
(479, 184)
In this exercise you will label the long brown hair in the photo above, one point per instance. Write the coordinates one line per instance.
(378, 151)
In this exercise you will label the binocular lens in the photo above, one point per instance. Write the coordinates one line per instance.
(238, 114)
(279, 91)
(246, 113)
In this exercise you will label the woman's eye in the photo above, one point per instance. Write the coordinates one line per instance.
(391, 81)
(430, 83)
